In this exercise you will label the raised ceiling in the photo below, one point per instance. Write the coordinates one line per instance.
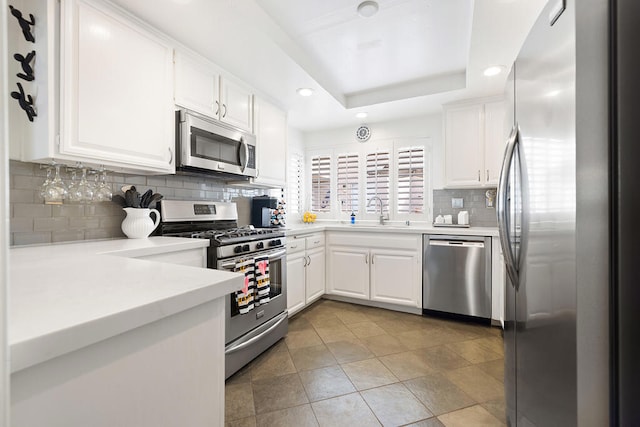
(407, 60)
(401, 45)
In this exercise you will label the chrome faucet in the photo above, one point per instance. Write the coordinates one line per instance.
(382, 218)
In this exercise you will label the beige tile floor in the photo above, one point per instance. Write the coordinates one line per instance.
(349, 365)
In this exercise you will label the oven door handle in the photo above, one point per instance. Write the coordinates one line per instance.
(272, 256)
(277, 255)
(239, 346)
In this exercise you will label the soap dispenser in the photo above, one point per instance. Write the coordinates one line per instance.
(353, 218)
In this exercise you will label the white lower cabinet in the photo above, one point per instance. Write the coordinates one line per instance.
(349, 272)
(305, 270)
(378, 267)
(395, 278)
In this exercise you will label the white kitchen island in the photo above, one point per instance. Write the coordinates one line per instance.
(100, 338)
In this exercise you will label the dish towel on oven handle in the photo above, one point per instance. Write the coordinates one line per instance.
(263, 283)
(245, 297)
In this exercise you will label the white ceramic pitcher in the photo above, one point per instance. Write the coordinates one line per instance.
(138, 223)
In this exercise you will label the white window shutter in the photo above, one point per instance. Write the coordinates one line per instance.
(378, 179)
(348, 185)
(321, 183)
(410, 166)
(295, 184)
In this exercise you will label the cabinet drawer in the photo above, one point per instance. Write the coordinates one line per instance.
(315, 241)
(295, 245)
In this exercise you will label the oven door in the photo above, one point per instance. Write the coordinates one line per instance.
(238, 324)
(211, 146)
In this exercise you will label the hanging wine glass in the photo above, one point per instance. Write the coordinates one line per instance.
(74, 196)
(43, 187)
(84, 188)
(55, 192)
(103, 192)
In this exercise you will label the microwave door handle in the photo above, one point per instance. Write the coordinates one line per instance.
(244, 154)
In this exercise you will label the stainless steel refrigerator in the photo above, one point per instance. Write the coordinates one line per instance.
(568, 203)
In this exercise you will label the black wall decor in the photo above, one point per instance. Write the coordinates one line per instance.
(24, 24)
(25, 62)
(25, 100)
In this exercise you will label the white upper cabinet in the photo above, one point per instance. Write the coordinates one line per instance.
(116, 89)
(236, 104)
(271, 141)
(474, 143)
(463, 145)
(201, 87)
(196, 85)
(494, 140)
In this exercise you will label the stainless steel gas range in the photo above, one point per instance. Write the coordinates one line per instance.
(256, 316)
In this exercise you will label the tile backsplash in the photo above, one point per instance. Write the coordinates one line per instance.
(474, 203)
(34, 222)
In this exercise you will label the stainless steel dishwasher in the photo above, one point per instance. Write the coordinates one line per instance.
(456, 277)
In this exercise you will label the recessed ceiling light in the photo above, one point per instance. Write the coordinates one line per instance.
(493, 71)
(367, 9)
(305, 91)
(361, 115)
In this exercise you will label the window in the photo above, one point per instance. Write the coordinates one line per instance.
(295, 184)
(410, 180)
(321, 183)
(348, 182)
(377, 167)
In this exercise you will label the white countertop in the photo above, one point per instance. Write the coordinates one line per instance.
(298, 229)
(68, 296)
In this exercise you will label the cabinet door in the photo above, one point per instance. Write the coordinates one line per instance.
(494, 141)
(348, 272)
(117, 89)
(315, 274)
(271, 134)
(463, 145)
(395, 277)
(296, 282)
(196, 86)
(236, 106)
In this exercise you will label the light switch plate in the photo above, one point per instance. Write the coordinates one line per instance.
(457, 202)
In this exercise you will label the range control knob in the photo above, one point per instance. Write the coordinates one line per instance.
(237, 249)
(260, 245)
(276, 242)
(245, 248)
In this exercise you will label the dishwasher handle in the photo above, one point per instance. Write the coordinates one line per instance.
(456, 243)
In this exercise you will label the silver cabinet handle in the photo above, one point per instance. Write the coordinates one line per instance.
(293, 246)
(309, 258)
(305, 261)
(366, 259)
(373, 257)
(503, 213)
(171, 155)
(217, 108)
(316, 242)
(478, 175)
(224, 110)
(487, 175)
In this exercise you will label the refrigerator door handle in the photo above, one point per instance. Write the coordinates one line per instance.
(503, 212)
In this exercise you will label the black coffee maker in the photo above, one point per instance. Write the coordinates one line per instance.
(262, 209)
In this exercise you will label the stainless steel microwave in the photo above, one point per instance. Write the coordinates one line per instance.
(206, 146)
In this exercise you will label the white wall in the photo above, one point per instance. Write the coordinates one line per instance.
(4, 219)
(417, 127)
